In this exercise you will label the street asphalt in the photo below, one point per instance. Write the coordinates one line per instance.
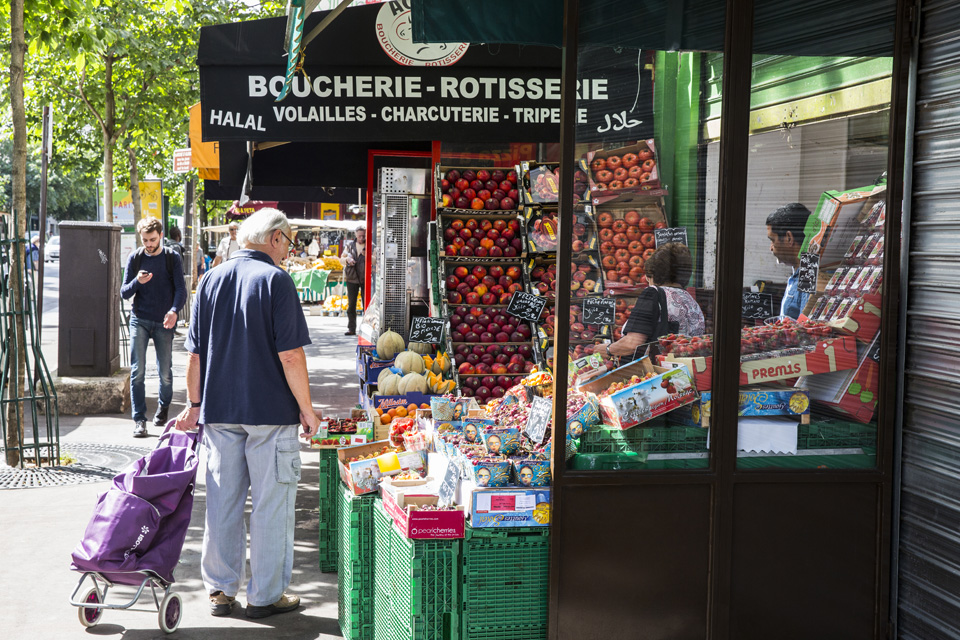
(41, 526)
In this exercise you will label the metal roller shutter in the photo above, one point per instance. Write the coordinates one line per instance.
(928, 593)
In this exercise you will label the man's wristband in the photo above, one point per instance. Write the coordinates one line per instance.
(195, 405)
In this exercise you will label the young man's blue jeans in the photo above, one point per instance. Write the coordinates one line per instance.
(141, 332)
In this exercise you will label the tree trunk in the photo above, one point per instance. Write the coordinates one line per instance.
(18, 47)
(135, 189)
(109, 127)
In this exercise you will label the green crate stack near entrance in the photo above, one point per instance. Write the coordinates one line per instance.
(354, 566)
(505, 578)
(327, 547)
(424, 594)
(382, 541)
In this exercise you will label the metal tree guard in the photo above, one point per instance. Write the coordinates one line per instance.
(36, 399)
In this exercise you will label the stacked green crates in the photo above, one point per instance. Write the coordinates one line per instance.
(354, 568)
(836, 434)
(382, 539)
(328, 549)
(505, 579)
(424, 593)
(647, 438)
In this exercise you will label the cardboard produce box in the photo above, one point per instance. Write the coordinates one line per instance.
(368, 367)
(363, 476)
(835, 354)
(416, 523)
(668, 389)
(651, 184)
(863, 321)
(764, 401)
(507, 506)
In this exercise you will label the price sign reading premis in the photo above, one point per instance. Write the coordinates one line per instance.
(538, 418)
(526, 306)
(599, 311)
(429, 330)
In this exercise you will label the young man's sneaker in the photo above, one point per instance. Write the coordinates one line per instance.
(221, 604)
(160, 419)
(140, 429)
(283, 605)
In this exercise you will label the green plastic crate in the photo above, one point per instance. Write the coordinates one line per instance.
(505, 580)
(653, 437)
(329, 490)
(382, 540)
(354, 569)
(836, 435)
(424, 589)
(632, 461)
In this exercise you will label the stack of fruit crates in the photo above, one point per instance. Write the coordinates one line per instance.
(355, 582)
(424, 594)
(505, 581)
(329, 485)
(383, 532)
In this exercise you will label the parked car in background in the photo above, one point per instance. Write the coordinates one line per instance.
(51, 249)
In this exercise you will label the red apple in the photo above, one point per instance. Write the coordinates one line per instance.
(479, 271)
(469, 174)
(507, 203)
(505, 298)
(469, 194)
(466, 369)
(484, 195)
(488, 298)
(454, 298)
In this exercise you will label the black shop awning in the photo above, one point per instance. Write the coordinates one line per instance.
(799, 28)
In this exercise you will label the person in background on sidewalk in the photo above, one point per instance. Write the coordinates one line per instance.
(154, 278)
(228, 246)
(354, 274)
(174, 241)
(247, 383)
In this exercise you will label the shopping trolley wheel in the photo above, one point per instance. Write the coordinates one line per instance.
(171, 610)
(90, 617)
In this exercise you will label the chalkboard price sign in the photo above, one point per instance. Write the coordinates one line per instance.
(672, 234)
(808, 273)
(429, 330)
(757, 306)
(599, 311)
(449, 485)
(538, 418)
(526, 306)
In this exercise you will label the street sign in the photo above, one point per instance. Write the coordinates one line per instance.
(181, 160)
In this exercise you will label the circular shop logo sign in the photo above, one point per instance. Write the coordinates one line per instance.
(395, 34)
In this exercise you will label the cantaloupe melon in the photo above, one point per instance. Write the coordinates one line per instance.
(409, 362)
(423, 348)
(390, 385)
(389, 344)
(413, 382)
(383, 374)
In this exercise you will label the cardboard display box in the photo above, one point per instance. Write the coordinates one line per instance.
(404, 507)
(863, 321)
(441, 170)
(641, 402)
(368, 367)
(508, 506)
(651, 186)
(764, 401)
(835, 354)
(373, 401)
(363, 476)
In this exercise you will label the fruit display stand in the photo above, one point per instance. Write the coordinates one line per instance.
(328, 549)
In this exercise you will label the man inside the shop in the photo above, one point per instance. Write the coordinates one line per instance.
(228, 246)
(247, 383)
(154, 279)
(785, 230)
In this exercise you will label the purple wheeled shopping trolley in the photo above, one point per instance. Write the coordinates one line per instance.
(137, 530)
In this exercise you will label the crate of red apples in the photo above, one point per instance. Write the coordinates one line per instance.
(489, 189)
(626, 243)
(494, 236)
(632, 168)
(482, 284)
(487, 325)
(489, 370)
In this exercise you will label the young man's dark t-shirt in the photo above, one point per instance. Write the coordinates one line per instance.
(163, 293)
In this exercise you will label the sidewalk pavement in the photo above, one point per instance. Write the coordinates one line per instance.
(41, 526)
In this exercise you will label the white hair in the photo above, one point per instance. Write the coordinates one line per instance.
(258, 228)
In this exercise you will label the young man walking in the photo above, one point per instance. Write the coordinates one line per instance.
(247, 384)
(154, 279)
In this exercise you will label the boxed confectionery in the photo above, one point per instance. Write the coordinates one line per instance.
(507, 506)
(762, 401)
(416, 514)
(624, 403)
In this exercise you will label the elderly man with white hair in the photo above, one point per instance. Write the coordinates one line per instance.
(247, 384)
(229, 245)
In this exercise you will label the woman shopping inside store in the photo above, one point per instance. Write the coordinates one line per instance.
(667, 272)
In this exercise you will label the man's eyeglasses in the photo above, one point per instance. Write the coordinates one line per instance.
(287, 237)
